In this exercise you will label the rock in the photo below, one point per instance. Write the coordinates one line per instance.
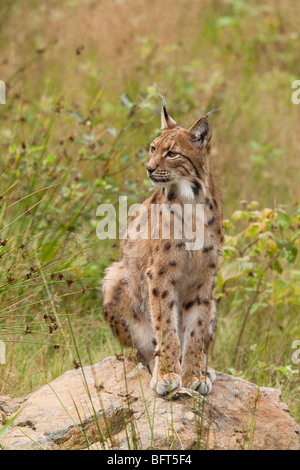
(10, 405)
(95, 408)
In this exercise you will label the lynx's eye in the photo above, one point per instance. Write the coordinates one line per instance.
(171, 154)
(152, 148)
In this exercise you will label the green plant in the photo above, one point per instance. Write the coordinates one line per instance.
(259, 294)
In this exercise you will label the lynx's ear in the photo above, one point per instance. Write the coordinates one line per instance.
(166, 121)
(200, 132)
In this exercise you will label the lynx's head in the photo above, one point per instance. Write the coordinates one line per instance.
(179, 157)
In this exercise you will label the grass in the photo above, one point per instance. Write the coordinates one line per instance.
(82, 107)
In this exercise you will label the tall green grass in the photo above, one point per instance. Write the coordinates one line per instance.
(81, 110)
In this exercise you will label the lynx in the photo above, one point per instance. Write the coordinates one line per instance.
(159, 297)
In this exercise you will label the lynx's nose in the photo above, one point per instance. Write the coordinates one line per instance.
(150, 169)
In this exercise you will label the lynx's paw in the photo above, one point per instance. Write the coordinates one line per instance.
(210, 373)
(165, 383)
(203, 385)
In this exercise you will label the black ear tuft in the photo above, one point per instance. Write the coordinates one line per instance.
(200, 132)
(212, 111)
(166, 121)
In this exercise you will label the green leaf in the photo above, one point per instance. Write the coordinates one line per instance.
(255, 229)
(126, 101)
(280, 288)
(50, 159)
(235, 268)
(256, 306)
(295, 235)
(112, 131)
(284, 221)
(227, 21)
(290, 253)
(74, 114)
(277, 267)
(237, 215)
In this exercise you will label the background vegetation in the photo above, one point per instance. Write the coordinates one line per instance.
(82, 107)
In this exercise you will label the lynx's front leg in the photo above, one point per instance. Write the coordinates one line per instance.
(166, 375)
(199, 327)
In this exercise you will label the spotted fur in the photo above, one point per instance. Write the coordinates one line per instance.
(159, 297)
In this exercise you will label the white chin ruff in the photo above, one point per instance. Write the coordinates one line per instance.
(185, 190)
(183, 187)
(158, 184)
